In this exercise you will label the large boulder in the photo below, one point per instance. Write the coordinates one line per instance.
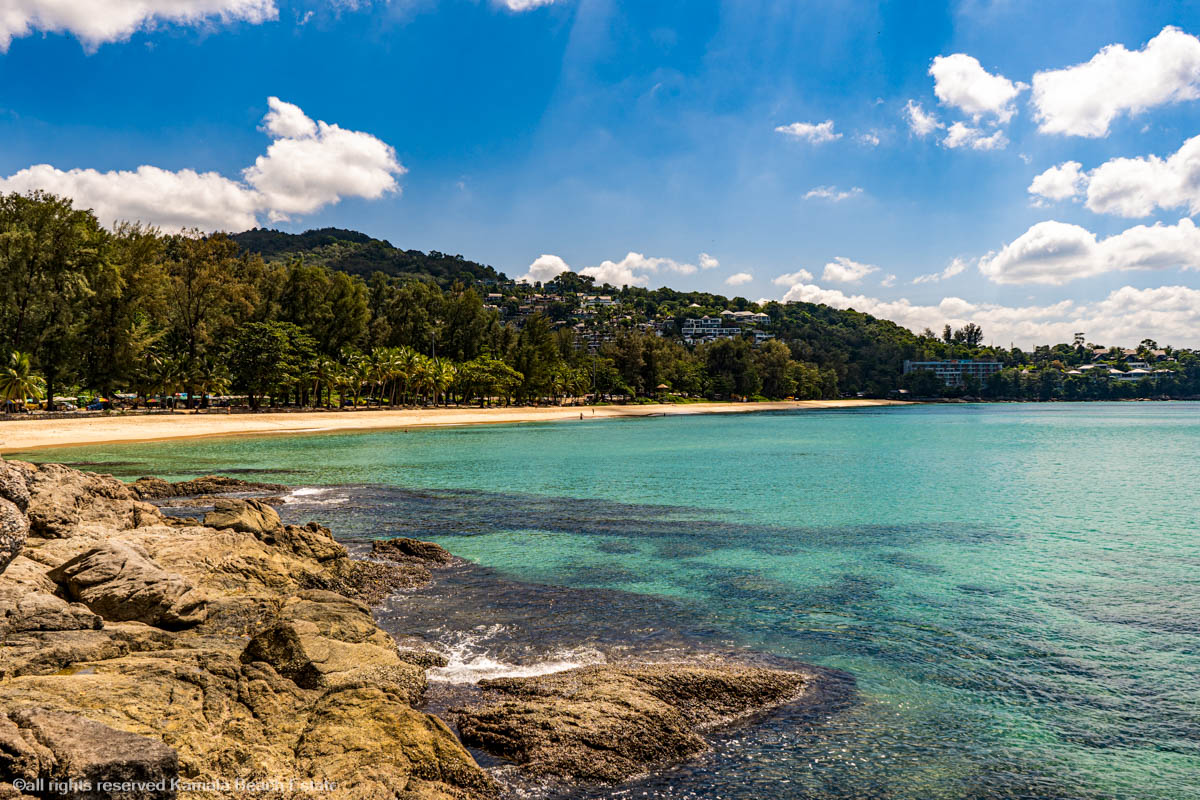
(608, 723)
(66, 503)
(120, 582)
(96, 761)
(246, 516)
(13, 484)
(403, 549)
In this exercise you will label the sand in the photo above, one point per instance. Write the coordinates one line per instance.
(28, 434)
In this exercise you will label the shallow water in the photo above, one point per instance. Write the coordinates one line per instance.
(1012, 591)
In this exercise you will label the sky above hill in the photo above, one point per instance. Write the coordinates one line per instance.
(1032, 167)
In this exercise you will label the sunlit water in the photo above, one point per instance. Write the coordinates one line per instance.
(1008, 597)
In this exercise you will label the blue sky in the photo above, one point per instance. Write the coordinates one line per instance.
(587, 130)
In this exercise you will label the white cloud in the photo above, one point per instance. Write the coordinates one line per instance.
(960, 81)
(799, 276)
(814, 132)
(635, 269)
(1084, 99)
(955, 267)
(95, 22)
(1055, 253)
(870, 139)
(920, 121)
(843, 270)
(1135, 187)
(1059, 183)
(962, 135)
(889, 280)
(308, 165)
(544, 268)
(524, 5)
(1125, 316)
(738, 278)
(832, 193)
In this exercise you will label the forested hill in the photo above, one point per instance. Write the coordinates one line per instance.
(359, 254)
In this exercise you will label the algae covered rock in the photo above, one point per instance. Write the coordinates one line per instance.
(609, 723)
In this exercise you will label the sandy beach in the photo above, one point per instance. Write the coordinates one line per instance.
(29, 434)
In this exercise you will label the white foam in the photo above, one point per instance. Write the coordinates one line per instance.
(470, 661)
(310, 495)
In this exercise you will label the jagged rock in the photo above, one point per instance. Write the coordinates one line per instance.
(247, 516)
(371, 582)
(14, 530)
(425, 659)
(158, 489)
(120, 582)
(188, 687)
(52, 746)
(403, 549)
(608, 723)
(13, 485)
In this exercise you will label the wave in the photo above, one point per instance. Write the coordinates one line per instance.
(470, 658)
(311, 496)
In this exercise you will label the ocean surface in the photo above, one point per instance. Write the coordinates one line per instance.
(1007, 597)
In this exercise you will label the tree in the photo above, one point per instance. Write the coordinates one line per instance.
(260, 355)
(18, 381)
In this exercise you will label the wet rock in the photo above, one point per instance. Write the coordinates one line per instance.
(247, 516)
(36, 743)
(371, 582)
(403, 549)
(159, 489)
(609, 723)
(425, 659)
(120, 582)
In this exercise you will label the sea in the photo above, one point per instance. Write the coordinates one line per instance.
(1003, 599)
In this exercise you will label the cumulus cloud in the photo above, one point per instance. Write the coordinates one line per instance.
(832, 193)
(1125, 316)
(870, 139)
(635, 269)
(95, 22)
(843, 270)
(920, 121)
(955, 267)
(544, 268)
(960, 81)
(791, 278)
(1129, 187)
(962, 135)
(1059, 183)
(1084, 99)
(738, 279)
(1056, 253)
(708, 262)
(814, 132)
(889, 280)
(310, 164)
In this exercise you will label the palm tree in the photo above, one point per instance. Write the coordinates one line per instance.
(323, 374)
(408, 368)
(441, 376)
(18, 381)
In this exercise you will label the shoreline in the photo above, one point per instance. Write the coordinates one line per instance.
(18, 436)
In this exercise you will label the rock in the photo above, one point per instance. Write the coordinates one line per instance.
(425, 659)
(247, 516)
(52, 746)
(609, 723)
(120, 582)
(23, 610)
(65, 503)
(158, 489)
(310, 541)
(371, 582)
(13, 485)
(14, 529)
(403, 549)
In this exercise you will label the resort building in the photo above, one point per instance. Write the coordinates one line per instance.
(956, 373)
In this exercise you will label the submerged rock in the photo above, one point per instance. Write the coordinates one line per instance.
(609, 723)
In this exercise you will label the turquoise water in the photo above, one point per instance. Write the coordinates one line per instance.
(1014, 589)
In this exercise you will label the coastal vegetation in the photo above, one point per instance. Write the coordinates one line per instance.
(335, 318)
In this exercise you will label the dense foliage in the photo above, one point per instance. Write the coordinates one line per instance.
(89, 311)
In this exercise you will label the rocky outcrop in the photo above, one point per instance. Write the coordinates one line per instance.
(405, 550)
(608, 723)
(158, 489)
(134, 645)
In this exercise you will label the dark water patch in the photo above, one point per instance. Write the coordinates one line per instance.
(617, 547)
(910, 562)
